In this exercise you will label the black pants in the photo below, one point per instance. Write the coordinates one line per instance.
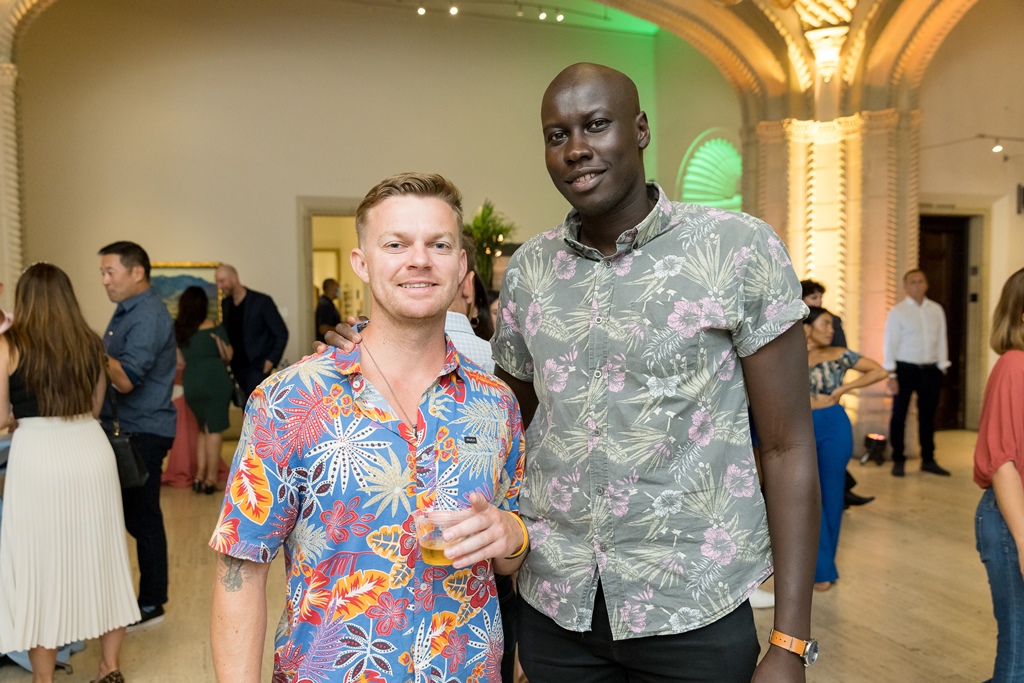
(723, 652)
(926, 381)
(507, 604)
(145, 522)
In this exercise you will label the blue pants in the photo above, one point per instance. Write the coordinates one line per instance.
(999, 555)
(833, 436)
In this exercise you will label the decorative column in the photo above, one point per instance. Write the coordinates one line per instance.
(10, 186)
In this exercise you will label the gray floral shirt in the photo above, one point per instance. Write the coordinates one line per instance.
(639, 470)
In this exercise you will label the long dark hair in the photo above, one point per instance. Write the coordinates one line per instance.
(483, 324)
(814, 313)
(61, 358)
(192, 311)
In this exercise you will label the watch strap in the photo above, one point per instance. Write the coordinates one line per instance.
(794, 645)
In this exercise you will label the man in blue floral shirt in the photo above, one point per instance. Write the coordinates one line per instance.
(633, 335)
(337, 452)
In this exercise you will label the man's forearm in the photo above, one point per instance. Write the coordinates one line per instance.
(118, 377)
(238, 622)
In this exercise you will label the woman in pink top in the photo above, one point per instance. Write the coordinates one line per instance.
(999, 469)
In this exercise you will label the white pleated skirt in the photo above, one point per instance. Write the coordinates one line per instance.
(64, 572)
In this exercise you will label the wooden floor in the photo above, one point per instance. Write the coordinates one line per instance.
(912, 603)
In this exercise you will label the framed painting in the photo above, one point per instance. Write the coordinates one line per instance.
(170, 279)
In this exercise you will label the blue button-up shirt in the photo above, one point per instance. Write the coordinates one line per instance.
(141, 337)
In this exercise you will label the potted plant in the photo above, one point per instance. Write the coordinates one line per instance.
(489, 230)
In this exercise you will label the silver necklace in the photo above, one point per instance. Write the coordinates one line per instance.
(398, 404)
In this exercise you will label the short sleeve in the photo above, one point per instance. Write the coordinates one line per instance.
(849, 359)
(256, 517)
(1001, 432)
(769, 292)
(515, 462)
(508, 346)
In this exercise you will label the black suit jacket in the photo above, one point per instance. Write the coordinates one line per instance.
(265, 334)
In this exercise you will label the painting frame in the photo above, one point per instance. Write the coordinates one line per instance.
(170, 278)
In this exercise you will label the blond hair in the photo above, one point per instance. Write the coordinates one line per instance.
(414, 184)
(1008, 321)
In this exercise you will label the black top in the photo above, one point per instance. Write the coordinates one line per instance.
(326, 314)
(23, 401)
(234, 326)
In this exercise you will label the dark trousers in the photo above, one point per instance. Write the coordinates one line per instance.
(723, 652)
(926, 382)
(145, 522)
(507, 604)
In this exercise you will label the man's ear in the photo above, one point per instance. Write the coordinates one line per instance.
(466, 290)
(643, 131)
(358, 261)
(138, 273)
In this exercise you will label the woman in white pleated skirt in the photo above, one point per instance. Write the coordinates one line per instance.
(64, 571)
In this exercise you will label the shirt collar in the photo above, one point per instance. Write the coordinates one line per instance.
(657, 222)
(457, 322)
(133, 301)
(348, 363)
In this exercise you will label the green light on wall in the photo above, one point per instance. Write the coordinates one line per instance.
(711, 172)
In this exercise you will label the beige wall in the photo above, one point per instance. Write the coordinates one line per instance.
(193, 127)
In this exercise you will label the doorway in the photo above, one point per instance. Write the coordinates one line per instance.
(945, 258)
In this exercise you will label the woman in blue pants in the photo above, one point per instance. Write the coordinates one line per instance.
(827, 366)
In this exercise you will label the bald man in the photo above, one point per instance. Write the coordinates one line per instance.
(255, 328)
(632, 335)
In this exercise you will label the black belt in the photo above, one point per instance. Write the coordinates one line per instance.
(922, 366)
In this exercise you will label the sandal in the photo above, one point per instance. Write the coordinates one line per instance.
(197, 485)
(112, 677)
(209, 489)
(822, 586)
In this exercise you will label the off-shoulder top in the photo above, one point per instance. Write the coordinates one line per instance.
(23, 401)
(828, 376)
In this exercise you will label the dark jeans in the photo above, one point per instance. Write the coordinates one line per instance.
(999, 555)
(507, 604)
(926, 381)
(145, 521)
(723, 652)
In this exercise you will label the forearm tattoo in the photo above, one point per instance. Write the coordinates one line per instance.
(233, 576)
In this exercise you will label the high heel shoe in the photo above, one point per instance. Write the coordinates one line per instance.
(197, 485)
(209, 488)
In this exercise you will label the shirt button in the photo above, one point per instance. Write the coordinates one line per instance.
(599, 490)
(598, 320)
(598, 374)
(607, 264)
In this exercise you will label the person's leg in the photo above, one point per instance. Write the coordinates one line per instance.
(928, 390)
(200, 460)
(722, 652)
(999, 555)
(213, 443)
(509, 610)
(43, 661)
(900, 405)
(144, 521)
(110, 644)
(835, 447)
(548, 652)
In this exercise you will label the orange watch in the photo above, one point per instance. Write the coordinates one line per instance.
(806, 650)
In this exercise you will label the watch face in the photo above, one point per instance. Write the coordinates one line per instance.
(811, 653)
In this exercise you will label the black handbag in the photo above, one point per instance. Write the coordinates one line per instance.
(238, 397)
(131, 468)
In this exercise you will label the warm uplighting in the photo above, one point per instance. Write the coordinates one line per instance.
(874, 445)
(501, 238)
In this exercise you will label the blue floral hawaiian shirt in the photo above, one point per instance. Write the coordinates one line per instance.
(325, 469)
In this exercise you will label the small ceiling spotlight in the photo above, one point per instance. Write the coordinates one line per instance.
(997, 147)
(453, 11)
(421, 11)
(519, 10)
(543, 15)
(559, 16)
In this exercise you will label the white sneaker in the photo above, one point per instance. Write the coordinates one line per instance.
(760, 599)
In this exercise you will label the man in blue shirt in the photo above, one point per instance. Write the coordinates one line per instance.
(141, 363)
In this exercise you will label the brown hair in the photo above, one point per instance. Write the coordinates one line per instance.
(61, 358)
(1007, 323)
(414, 184)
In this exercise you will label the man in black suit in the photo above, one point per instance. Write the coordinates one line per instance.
(255, 328)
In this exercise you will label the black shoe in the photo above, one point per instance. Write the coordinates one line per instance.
(151, 616)
(852, 498)
(897, 469)
(934, 468)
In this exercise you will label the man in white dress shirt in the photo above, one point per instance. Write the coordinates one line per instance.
(916, 356)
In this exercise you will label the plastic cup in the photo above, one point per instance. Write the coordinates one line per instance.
(430, 524)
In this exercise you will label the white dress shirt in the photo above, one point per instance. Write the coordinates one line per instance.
(916, 334)
(478, 350)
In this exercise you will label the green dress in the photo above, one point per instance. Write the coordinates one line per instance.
(208, 388)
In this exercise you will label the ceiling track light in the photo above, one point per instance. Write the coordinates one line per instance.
(558, 15)
(543, 15)
(421, 11)
(453, 11)
(997, 147)
(519, 10)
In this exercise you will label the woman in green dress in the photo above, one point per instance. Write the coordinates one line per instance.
(205, 351)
